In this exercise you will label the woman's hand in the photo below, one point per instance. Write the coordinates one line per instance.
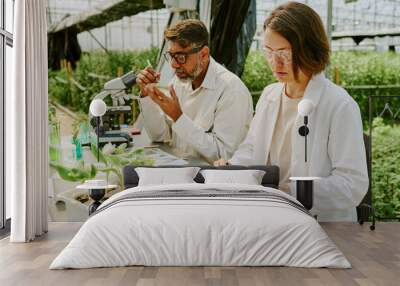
(220, 162)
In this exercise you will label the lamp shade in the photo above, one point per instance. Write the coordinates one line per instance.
(98, 107)
(305, 107)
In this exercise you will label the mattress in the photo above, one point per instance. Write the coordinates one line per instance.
(201, 225)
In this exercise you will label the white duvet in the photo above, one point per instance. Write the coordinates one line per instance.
(200, 231)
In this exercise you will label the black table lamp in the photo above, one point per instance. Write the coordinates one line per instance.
(304, 185)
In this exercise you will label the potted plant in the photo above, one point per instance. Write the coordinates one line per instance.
(112, 160)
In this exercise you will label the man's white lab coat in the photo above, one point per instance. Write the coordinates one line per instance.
(215, 120)
(336, 151)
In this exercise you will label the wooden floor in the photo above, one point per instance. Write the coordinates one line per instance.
(375, 257)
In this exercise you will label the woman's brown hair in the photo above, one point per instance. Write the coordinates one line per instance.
(303, 28)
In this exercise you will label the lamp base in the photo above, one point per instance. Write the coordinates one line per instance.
(305, 190)
(96, 195)
(305, 193)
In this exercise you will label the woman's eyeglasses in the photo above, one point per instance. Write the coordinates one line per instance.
(284, 55)
(180, 57)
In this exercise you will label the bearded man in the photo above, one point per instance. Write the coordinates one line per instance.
(208, 110)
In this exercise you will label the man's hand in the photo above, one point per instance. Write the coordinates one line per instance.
(220, 162)
(170, 105)
(145, 77)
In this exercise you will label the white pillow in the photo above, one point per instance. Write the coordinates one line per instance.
(164, 176)
(249, 177)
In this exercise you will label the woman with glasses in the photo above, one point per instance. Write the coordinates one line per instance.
(209, 110)
(297, 50)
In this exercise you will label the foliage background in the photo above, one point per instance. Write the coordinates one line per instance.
(92, 71)
(349, 69)
(386, 169)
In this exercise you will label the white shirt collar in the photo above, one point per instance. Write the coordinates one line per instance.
(209, 81)
(313, 90)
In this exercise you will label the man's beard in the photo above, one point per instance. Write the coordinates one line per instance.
(185, 80)
(189, 77)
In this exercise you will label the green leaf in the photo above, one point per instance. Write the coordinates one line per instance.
(115, 160)
(71, 174)
(102, 158)
(93, 171)
(120, 149)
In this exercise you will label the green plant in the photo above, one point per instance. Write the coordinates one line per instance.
(52, 114)
(76, 89)
(111, 164)
(114, 163)
(385, 168)
(81, 118)
(257, 74)
(75, 174)
(59, 90)
(54, 134)
(354, 69)
(368, 69)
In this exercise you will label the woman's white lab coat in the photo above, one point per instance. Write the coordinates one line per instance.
(335, 150)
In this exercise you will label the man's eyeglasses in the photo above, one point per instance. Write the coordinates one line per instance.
(180, 57)
(284, 55)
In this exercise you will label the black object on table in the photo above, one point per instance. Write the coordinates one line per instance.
(305, 193)
(96, 195)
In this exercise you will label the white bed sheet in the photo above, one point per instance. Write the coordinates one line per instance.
(202, 232)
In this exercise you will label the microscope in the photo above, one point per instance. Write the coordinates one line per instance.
(109, 130)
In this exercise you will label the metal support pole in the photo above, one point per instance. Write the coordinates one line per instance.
(98, 135)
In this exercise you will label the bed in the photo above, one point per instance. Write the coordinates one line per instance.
(201, 224)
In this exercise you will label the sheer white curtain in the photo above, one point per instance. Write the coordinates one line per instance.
(26, 123)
